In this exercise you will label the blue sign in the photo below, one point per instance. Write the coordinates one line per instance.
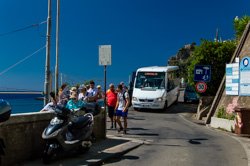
(202, 73)
(232, 79)
(244, 76)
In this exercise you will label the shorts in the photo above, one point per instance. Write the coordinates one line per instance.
(122, 114)
(111, 111)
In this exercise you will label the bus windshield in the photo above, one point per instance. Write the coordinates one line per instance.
(150, 80)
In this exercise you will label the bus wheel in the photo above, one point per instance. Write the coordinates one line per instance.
(136, 109)
(165, 106)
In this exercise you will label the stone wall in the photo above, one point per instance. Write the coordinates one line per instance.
(22, 135)
(242, 101)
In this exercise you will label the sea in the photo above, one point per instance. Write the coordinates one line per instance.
(24, 103)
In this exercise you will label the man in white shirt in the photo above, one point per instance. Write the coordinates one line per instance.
(92, 93)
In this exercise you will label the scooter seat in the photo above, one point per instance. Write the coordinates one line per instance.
(80, 122)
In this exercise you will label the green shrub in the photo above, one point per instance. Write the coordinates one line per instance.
(222, 113)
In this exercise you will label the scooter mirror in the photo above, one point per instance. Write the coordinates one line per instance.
(5, 110)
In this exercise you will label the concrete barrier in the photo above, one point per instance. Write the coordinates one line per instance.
(21, 135)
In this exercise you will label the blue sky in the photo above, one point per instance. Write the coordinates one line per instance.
(141, 32)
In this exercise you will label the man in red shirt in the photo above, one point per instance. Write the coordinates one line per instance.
(111, 103)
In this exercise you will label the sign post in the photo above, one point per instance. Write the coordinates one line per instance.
(104, 60)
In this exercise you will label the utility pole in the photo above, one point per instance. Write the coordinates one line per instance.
(61, 78)
(47, 63)
(57, 45)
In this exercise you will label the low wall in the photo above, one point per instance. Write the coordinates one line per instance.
(225, 124)
(21, 135)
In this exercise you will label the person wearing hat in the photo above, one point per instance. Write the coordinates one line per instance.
(83, 93)
(74, 103)
(100, 94)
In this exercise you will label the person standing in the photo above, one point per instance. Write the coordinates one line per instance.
(63, 94)
(121, 108)
(92, 92)
(111, 103)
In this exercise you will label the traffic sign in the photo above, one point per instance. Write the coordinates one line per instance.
(202, 73)
(104, 55)
(201, 87)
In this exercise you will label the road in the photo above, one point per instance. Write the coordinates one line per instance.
(171, 139)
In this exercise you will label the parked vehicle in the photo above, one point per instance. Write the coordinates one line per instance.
(156, 87)
(5, 110)
(190, 95)
(68, 130)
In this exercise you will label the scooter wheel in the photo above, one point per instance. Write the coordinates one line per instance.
(82, 150)
(47, 154)
(46, 158)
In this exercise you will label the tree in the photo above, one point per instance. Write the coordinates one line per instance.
(215, 54)
(240, 25)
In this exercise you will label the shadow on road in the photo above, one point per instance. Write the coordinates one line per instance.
(118, 159)
(197, 141)
(137, 128)
(174, 109)
(135, 118)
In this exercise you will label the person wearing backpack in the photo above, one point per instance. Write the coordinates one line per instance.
(121, 108)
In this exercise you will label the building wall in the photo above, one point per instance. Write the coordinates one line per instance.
(22, 135)
(226, 101)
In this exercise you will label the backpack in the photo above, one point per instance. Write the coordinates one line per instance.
(130, 98)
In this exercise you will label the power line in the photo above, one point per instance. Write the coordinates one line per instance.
(22, 29)
(14, 65)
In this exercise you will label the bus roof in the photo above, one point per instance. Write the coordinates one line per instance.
(158, 68)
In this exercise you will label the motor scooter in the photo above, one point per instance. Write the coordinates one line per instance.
(67, 131)
(5, 112)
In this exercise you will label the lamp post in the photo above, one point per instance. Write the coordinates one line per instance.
(47, 62)
(57, 46)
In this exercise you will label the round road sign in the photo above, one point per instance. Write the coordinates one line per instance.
(201, 87)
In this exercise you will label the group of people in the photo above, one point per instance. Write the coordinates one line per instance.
(75, 97)
(118, 102)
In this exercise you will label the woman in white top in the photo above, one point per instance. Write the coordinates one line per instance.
(83, 93)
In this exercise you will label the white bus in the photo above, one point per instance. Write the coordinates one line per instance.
(155, 87)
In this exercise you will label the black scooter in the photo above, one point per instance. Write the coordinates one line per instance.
(5, 112)
(67, 131)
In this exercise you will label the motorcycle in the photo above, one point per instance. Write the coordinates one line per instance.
(5, 112)
(68, 131)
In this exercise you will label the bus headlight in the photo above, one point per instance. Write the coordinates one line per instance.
(159, 99)
(134, 99)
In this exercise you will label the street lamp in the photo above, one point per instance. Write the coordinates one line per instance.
(47, 62)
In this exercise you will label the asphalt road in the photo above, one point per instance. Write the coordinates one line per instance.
(170, 139)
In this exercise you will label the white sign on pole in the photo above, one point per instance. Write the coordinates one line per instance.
(232, 79)
(104, 55)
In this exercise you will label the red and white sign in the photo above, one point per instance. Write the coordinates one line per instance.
(201, 87)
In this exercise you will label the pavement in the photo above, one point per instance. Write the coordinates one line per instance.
(115, 145)
(244, 140)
